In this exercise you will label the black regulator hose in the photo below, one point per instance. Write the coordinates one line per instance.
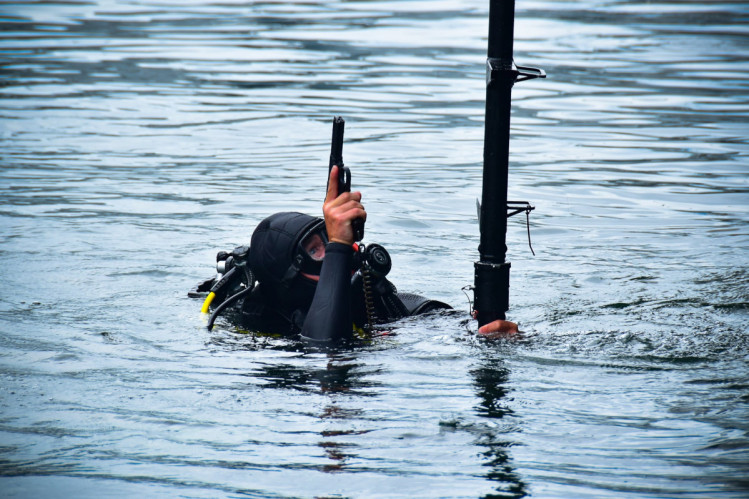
(229, 264)
(225, 304)
(220, 284)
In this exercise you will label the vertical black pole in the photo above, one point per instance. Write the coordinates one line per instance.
(492, 272)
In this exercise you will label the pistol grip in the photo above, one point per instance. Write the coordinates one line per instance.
(344, 180)
(358, 227)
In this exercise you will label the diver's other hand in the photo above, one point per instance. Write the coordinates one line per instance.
(497, 328)
(341, 210)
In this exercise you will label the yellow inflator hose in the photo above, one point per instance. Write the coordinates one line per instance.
(207, 302)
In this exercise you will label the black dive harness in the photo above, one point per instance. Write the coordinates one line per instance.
(381, 301)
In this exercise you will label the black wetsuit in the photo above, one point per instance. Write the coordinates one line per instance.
(285, 301)
(337, 305)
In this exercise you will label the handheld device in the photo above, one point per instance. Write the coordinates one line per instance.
(344, 174)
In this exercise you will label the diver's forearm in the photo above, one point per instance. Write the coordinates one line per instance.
(329, 316)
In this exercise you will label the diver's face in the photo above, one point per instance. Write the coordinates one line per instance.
(314, 246)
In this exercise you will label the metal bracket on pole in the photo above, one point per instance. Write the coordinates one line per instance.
(528, 73)
(496, 70)
(515, 207)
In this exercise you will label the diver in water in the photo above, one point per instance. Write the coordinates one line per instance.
(306, 275)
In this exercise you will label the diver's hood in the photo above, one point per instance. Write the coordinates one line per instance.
(274, 259)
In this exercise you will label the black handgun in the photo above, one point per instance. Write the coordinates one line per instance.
(344, 174)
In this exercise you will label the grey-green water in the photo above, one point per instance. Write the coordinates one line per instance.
(138, 138)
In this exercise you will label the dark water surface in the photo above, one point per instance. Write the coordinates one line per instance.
(138, 138)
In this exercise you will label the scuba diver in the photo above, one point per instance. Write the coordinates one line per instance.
(306, 275)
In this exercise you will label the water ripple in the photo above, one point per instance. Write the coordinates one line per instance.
(140, 138)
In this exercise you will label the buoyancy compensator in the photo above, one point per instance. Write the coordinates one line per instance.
(272, 283)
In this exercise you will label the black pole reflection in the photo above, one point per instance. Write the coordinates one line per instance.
(491, 382)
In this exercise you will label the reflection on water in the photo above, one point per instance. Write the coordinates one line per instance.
(491, 380)
(137, 139)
